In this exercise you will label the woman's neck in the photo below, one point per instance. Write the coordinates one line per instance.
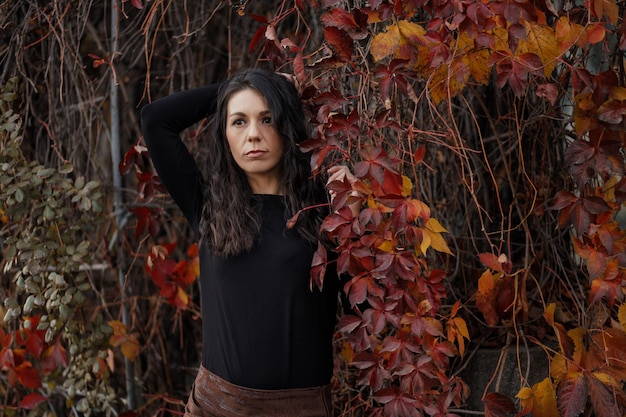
(259, 186)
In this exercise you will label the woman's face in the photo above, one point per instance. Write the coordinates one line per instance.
(254, 143)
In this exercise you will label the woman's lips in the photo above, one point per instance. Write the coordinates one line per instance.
(255, 153)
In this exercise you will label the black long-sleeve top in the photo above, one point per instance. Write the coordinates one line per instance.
(262, 325)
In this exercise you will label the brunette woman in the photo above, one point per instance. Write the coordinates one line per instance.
(267, 336)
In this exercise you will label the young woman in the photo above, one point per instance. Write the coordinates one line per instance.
(267, 336)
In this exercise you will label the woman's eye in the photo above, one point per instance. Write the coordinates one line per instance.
(267, 120)
(238, 122)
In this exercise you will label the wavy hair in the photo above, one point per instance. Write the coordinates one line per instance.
(230, 222)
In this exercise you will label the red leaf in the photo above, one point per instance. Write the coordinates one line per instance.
(258, 36)
(137, 4)
(340, 42)
(572, 395)
(161, 270)
(34, 342)
(31, 401)
(398, 403)
(7, 360)
(491, 261)
(580, 219)
(596, 264)
(603, 398)
(318, 266)
(28, 375)
(561, 200)
(340, 19)
(612, 111)
(549, 92)
(348, 323)
(498, 405)
(53, 357)
(356, 289)
(147, 221)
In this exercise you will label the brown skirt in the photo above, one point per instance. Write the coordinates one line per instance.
(212, 396)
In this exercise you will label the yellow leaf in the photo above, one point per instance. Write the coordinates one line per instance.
(526, 399)
(525, 393)
(407, 186)
(385, 44)
(413, 32)
(182, 296)
(501, 37)
(386, 246)
(558, 367)
(438, 243)
(541, 41)
(444, 82)
(463, 334)
(544, 399)
(475, 60)
(421, 62)
(433, 225)
(579, 346)
(607, 379)
(621, 315)
(548, 314)
(347, 353)
(425, 244)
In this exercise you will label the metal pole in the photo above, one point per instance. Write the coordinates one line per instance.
(118, 202)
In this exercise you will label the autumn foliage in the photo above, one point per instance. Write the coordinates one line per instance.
(383, 91)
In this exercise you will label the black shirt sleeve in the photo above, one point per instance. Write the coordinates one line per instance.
(161, 123)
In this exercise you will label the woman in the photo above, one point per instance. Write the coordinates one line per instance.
(267, 336)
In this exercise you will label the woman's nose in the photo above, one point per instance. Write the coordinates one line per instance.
(254, 133)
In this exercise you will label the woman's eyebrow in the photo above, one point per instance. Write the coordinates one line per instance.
(240, 113)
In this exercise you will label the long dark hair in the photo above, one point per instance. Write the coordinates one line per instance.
(230, 221)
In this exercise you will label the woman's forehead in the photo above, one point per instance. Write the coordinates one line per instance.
(246, 100)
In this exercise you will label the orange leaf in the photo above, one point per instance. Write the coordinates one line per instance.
(485, 297)
(459, 333)
(192, 251)
(127, 342)
(569, 34)
(130, 348)
(596, 33)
